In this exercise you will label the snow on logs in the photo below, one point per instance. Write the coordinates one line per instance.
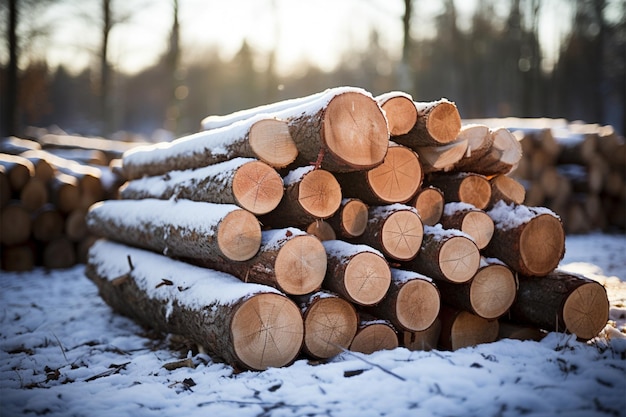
(247, 325)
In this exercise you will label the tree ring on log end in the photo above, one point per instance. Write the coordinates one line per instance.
(586, 310)
(258, 187)
(479, 226)
(355, 130)
(267, 331)
(417, 306)
(542, 244)
(321, 230)
(367, 278)
(374, 337)
(239, 235)
(354, 217)
(272, 143)
(469, 330)
(300, 265)
(459, 259)
(475, 190)
(402, 235)
(398, 178)
(329, 325)
(492, 291)
(444, 122)
(401, 114)
(319, 194)
(429, 204)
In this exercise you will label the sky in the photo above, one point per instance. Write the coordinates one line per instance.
(302, 32)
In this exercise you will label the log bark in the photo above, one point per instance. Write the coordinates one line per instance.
(358, 273)
(438, 123)
(429, 202)
(530, 240)
(16, 224)
(561, 301)
(470, 220)
(64, 192)
(351, 219)
(461, 329)
(249, 183)
(310, 194)
(246, 325)
(412, 302)
(373, 335)
(466, 187)
(396, 230)
(18, 170)
(423, 340)
(442, 157)
(489, 294)
(263, 137)
(288, 259)
(330, 323)
(448, 255)
(400, 111)
(507, 189)
(396, 180)
(185, 228)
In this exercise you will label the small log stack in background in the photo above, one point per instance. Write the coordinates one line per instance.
(421, 245)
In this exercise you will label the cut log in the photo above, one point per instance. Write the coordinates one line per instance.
(449, 255)
(34, 194)
(465, 187)
(530, 240)
(489, 294)
(184, 228)
(507, 189)
(246, 325)
(438, 123)
(109, 147)
(396, 230)
(64, 192)
(503, 157)
(262, 137)
(561, 301)
(249, 183)
(443, 157)
(424, 340)
(76, 225)
(351, 218)
(396, 180)
(43, 169)
(18, 258)
(288, 259)
(48, 224)
(343, 130)
(322, 230)
(479, 142)
(59, 253)
(461, 329)
(469, 219)
(18, 169)
(400, 111)
(16, 224)
(330, 323)
(411, 303)
(374, 335)
(310, 194)
(429, 202)
(359, 273)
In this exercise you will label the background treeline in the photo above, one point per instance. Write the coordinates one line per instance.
(491, 69)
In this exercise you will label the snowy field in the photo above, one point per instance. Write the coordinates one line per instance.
(63, 352)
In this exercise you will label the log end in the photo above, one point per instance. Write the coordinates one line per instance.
(459, 259)
(272, 143)
(320, 194)
(541, 245)
(417, 305)
(463, 329)
(300, 265)
(257, 187)
(355, 130)
(479, 226)
(401, 114)
(239, 235)
(429, 204)
(586, 310)
(508, 189)
(402, 235)
(267, 331)
(475, 190)
(493, 291)
(374, 337)
(367, 278)
(329, 327)
(398, 178)
(321, 230)
(354, 218)
(444, 122)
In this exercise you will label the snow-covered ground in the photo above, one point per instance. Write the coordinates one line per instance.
(63, 352)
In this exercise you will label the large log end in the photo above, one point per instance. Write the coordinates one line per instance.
(239, 235)
(300, 265)
(418, 304)
(329, 327)
(398, 178)
(459, 259)
(367, 278)
(373, 337)
(320, 194)
(542, 244)
(586, 310)
(257, 187)
(492, 291)
(272, 143)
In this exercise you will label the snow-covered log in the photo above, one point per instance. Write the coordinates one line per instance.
(17, 169)
(249, 183)
(179, 228)
(400, 111)
(468, 219)
(246, 325)
(442, 157)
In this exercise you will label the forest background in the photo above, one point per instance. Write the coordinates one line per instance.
(73, 64)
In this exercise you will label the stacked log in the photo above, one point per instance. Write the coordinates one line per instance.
(375, 250)
(43, 202)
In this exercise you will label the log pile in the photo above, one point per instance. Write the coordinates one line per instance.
(577, 170)
(43, 202)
